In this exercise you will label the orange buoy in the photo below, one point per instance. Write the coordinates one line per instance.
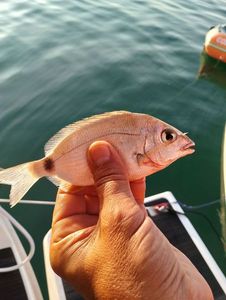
(215, 42)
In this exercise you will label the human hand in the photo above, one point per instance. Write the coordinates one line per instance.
(107, 247)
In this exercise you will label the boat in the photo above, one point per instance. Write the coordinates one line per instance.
(170, 218)
(17, 278)
(215, 42)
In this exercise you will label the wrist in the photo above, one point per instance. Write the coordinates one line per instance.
(109, 284)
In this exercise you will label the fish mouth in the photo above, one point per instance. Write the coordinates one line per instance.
(190, 147)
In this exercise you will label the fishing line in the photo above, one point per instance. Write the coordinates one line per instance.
(202, 215)
(187, 208)
(217, 63)
(190, 84)
(193, 207)
(41, 202)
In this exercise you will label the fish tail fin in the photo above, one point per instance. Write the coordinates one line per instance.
(21, 178)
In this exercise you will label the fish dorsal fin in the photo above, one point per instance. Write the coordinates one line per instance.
(58, 138)
(71, 128)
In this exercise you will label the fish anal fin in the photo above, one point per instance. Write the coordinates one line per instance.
(55, 180)
(65, 186)
(62, 184)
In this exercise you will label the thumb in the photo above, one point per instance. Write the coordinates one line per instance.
(110, 176)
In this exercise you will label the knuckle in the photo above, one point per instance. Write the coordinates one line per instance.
(104, 178)
(114, 216)
(108, 172)
(116, 219)
(114, 187)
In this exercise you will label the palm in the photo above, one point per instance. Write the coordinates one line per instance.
(78, 209)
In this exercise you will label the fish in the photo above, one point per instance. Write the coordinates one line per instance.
(146, 145)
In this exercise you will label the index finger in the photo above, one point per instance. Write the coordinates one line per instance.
(72, 202)
(138, 188)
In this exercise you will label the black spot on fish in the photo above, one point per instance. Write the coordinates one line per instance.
(48, 164)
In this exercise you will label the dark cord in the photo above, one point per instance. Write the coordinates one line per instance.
(191, 207)
(202, 215)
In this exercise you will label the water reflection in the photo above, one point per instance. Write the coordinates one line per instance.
(212, 70)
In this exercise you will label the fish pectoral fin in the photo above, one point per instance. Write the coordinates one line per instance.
(142, 159)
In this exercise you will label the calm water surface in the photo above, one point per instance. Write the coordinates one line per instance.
(61, 61)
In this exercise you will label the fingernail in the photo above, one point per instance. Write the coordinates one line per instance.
(99, 153)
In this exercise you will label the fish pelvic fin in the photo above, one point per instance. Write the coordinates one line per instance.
(21, 178)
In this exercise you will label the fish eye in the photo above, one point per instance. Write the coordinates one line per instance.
(168, 135)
